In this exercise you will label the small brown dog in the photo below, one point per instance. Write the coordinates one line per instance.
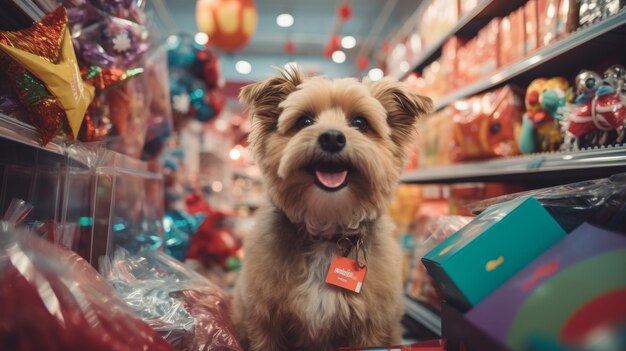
(330, 152)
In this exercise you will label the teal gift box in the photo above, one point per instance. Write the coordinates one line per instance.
(490, 249)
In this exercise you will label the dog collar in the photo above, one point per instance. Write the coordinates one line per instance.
(346, 243)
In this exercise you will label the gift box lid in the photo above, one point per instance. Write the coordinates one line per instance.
(482, 255)
(570, 289)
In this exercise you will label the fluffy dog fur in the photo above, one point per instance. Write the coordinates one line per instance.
(281, 299)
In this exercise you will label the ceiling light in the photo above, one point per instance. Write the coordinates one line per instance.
(284, 20)
(201, 38)
(234, 154)
(375, 74)
(348, 42)
(404, 66)
(243, 67)
(339, 56)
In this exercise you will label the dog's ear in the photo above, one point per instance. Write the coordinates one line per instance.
(403, 107)
(263, 98)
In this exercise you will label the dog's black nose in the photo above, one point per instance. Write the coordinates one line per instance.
(332, 141)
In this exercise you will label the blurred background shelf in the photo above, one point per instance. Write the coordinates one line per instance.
(565, 56)
(467, 25)
(549, 167)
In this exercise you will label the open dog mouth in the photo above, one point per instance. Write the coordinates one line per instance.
(330, 176)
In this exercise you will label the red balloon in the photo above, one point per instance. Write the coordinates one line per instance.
(210, 64)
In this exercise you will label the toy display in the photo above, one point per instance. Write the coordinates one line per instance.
(599, 113)
(546, 100)
(592, 11)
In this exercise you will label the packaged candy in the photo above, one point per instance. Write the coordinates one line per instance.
(530, 24)
(189, 311)
(511, 38)
(488, 48)
(435, 134)
(52, 299)
(487, 125)
(547, 25)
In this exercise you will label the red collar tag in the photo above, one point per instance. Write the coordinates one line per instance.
(345, 273)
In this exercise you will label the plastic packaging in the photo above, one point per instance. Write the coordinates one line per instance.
(487, 125)
(188, 310)
(52, 299)
(420, 285)
(17, 211)
(601, 202)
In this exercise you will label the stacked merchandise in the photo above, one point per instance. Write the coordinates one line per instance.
(511, 283)
(499, 43)
(552, 114)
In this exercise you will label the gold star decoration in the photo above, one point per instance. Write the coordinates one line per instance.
(62, 78)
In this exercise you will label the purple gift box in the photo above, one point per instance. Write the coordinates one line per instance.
(574, 288)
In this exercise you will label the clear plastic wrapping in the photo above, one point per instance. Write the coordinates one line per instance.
(191, 313)
(600, 201)
(420, 285)
(52, 299)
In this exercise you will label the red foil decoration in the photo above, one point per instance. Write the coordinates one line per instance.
(43, 110)
(43, 38)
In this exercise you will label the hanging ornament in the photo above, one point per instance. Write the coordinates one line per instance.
(230, 24)
(289, 47)
(362, 62)
(333, 45)
(345, 11)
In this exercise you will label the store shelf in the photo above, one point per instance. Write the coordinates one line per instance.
(467, 25)
(26, 135)
(423, 315)
(541, 57)
(530, 168)
(23, 133)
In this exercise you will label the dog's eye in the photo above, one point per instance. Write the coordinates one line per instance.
(360, 123)
(304, 121)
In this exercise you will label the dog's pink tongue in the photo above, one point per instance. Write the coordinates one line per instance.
(331, 180)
